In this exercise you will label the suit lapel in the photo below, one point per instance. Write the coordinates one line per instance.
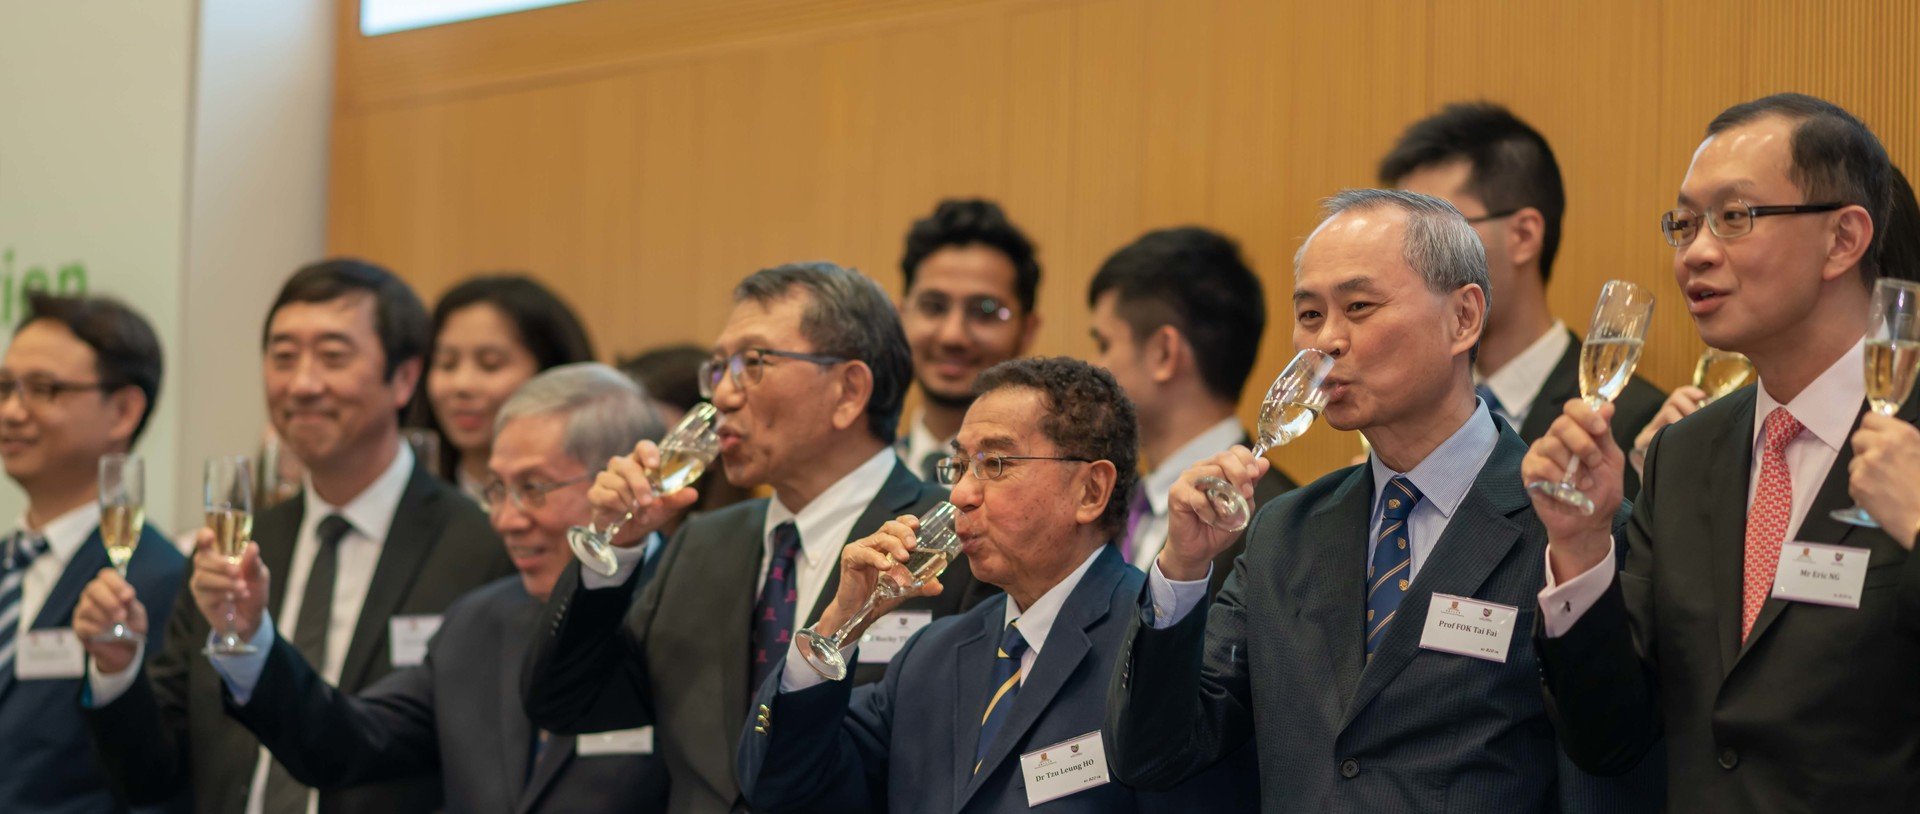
(87, 560)
(971, 683)
(743, 546)
(516, 732)
(417, 521)
(1333, 545)
(277, 532)
(1723, 513)
(896, 494)
(1561, 384)
(558, 754)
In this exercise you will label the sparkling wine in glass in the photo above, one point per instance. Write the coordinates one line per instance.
(1720, 372)
(228, 500)
(935, 546)
(685, 453)
(1607, 360)
(1292, 403)
(1892, 360)
(123, 513)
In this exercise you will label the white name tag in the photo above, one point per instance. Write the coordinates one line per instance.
(887, 636)
(1067, 767)
(1469, 627)
(1821, 574)
(637, 741)
(49, 653)
(407, 638)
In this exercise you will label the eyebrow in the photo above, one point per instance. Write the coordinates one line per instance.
(1361, 283)
(997, 443)
(1739, 187)
(329, 336)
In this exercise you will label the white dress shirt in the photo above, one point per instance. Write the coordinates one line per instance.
(1517, 383)
(1827, 408)
(919, 443)
(1158, 485)
(65, 535)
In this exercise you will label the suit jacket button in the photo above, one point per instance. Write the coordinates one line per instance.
(1349, 768)
(1729, 758)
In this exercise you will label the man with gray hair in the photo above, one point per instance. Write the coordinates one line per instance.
(808, 376)
(1370, 641)
(458, 713)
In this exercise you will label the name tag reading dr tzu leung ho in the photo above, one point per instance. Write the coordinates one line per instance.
(1469, 627)
(1067, 767)
(1821, 574)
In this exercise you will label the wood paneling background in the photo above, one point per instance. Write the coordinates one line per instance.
(643, 155)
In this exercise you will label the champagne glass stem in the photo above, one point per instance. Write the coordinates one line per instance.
(1260, 450)
(1573, 468)
(846, 628)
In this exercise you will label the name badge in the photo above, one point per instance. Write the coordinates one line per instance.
(1469, 627)
(887, 636)
(1068, 767)
(407, 638)
(637, 741)
(49, 653)
(1821, 574)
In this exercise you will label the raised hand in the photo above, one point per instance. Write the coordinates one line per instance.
(106, 600)
(1576, 542)
(1192, 542)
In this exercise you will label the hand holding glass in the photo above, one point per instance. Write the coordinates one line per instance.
(935, 546)
(1607, 360)
(228, 490)
(684, 455)
(1892, 360)
(1292, 403)
(123, 513)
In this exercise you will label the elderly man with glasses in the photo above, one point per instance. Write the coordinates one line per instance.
(808, 377)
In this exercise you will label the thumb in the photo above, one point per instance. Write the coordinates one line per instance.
(137, 617)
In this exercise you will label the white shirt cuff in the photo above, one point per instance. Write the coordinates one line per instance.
(798, 675)
(1172, 601)
(629, 559)
(1561, 605)
(106, 688)
(241, 673)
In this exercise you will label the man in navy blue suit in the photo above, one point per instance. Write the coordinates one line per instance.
(999, 708)
(78, 381)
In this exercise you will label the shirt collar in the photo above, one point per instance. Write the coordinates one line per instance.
(66, 533)
(370, 512)
(1447, 473)
(838, 507)
(1519, 381)
(1828, 406)
(1036, 622)
(1217, 438)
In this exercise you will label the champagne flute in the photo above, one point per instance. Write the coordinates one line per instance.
(935, 546)
(1607, 359)
(123, 513)
(684, 455)
(1893, 358)
(1292, 403)
(1720, 372)
(228, 490)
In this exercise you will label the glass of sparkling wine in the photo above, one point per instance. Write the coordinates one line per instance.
(684, 455)
(123, 512)
(935, 546)
(229, 505)
(1720, 372)
(1607, 359)
(1292, 403)
(1893, 358)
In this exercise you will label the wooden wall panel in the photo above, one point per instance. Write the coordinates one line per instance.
(642, 155)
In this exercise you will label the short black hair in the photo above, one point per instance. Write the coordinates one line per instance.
(1900, 253)
(1087, 416)
(848, 316)
(398, 316)
(1195, 280)
(126, 351)
(1835, 158)
(670, 373)
(1510, 165)
(962, 222)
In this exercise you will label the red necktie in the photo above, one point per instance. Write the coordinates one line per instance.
(1768, 516)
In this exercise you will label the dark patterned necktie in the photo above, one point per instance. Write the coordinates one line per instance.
(1392, 569)
(1006, 685)
(284, 794)
(773, 613)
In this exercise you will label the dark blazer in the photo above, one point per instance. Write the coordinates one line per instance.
(1816, 712)
(458, 715)
(676, 658)
(170, 730)
(1633, 410)
(1279, 657)
(907, 743)
(50, 766)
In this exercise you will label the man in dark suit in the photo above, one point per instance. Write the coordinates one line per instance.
(1501, 174)
(86, 372)
(1772, 694)
(1021, 679)
(458, 713)
(1177, 318)
(1372, 641)
(371, 538)
(808, 375)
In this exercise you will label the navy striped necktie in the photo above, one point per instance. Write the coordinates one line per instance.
(22, 549)
(1392, 568)
(1006, 685)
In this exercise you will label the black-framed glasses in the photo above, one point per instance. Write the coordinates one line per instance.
(526, 496)
(980, 311)
(1727, 221)
(748, 366)
(38, 391)
(1504, 213)
(988, 465)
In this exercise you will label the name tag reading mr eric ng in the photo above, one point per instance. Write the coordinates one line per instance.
(1821, 574)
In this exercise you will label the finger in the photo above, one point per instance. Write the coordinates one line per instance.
(635, 487)
(203, 541)
(610, 490)
(137, 617)
(931, 587)
(864, 558)
(1687, 399)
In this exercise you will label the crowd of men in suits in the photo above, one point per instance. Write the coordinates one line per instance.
(1376, 640)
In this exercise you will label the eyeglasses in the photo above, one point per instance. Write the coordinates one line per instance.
(39, 392)
(747, 367)
(1730, 220)
(979, 311)
(527, 496)
(1504, 213)
(987, 465)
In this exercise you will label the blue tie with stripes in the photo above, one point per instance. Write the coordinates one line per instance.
(20, 552)
(1392, 568)
(1006, 685)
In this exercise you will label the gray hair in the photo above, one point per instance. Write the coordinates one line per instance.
(606, 412)
(1440, 245)
(850, 317)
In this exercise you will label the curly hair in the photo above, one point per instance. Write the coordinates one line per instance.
(1088, 416)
